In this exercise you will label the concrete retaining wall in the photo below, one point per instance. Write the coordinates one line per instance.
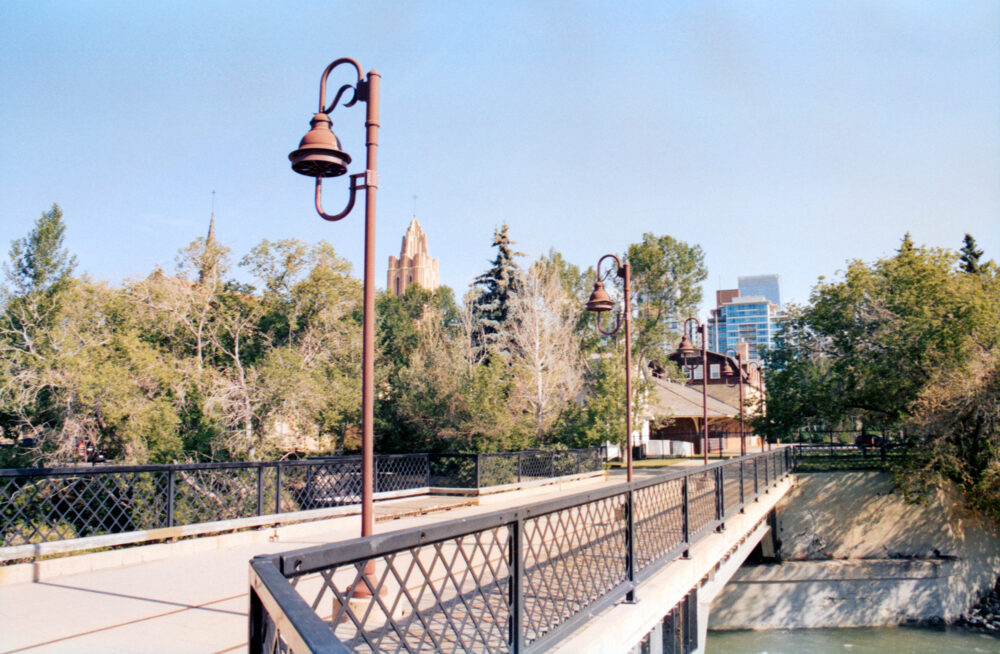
(856, 554)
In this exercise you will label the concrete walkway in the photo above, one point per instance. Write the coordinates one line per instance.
(198, 602)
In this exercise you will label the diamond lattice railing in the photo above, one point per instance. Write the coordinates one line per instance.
(450, 470)
(498, 469)
(210, 494)
(536, 465)
(572, 557)
(731, 488)
(449, 596)
(659, 521)
(396, 473)
(701, 500)
(39, 509)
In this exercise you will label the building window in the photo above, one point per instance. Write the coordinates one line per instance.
(713, 371)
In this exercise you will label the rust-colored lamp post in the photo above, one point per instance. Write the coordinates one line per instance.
(729, 372)
(599, 302)
(319, 155)
(689, 355)
(760, 390)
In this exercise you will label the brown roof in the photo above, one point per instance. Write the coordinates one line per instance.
(671, 399)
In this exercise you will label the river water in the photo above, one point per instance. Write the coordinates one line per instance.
(891, 640)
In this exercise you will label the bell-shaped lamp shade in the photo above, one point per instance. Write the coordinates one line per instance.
(319, 153)
(727, 369)
(599, 300)
(686, 348)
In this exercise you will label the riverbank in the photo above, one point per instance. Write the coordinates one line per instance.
(985, 616)
(854, 553)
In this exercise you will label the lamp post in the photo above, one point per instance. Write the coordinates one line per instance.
(760, 388)
(739, 371)
(319, 155)
(599, 302)
(688, 354)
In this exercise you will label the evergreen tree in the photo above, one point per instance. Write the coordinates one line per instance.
(496, 286)
(906, 247)
(969, 261)
(39, 262)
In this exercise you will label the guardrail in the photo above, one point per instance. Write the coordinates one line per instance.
(39, 505)
(514, 580)
(823, 457)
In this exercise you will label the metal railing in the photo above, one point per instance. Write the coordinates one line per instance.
(40, 505)
(823, 457)
(719, 443)
(515, 580)
(454, 470)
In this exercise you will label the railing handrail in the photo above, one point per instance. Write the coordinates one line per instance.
(360, 548)
(222, 465)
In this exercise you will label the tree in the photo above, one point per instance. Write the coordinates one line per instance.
(403, 325)
(905, 343)
(666, 287)
(39, 262)
(496, 286)
(545, 350)
(969, 261)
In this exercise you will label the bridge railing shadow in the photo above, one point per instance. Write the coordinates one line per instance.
(511, 580)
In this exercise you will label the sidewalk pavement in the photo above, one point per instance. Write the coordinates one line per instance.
(198, 602)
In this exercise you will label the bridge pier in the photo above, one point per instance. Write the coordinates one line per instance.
(720, 576)
(713, 561)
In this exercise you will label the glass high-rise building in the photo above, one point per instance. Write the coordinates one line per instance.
(768, 286)
(747, 315)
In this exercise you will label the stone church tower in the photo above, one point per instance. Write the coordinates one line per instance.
(414, 265)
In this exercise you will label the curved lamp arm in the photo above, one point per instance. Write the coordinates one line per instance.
(359, 92)
(355, 187)
(620, 271)
(358, 86)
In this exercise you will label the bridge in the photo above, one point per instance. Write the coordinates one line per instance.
(556, 563)
(568, 574)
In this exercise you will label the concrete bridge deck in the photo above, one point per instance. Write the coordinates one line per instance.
(195, 600)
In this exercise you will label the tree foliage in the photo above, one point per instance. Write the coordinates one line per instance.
(908, 343)
(192, 364)
(666, 283)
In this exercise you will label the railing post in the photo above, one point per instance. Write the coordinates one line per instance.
(630, 534)
(552, 464)
(170, 497)
(427, 458)
(515, 590)
(479, 471)
(277, 488)
(686, 516)
(375, 460)
(756, 476)
(519, 454)
(720, 490)
(579, 462)
(255, 643)
(743, 498)
(260, 488)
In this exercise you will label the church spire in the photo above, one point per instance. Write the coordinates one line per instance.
(211, 224)
(207, 271)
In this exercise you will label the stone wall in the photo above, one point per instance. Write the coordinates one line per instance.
(854, 553)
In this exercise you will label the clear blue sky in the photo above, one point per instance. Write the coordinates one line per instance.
(783, 137)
